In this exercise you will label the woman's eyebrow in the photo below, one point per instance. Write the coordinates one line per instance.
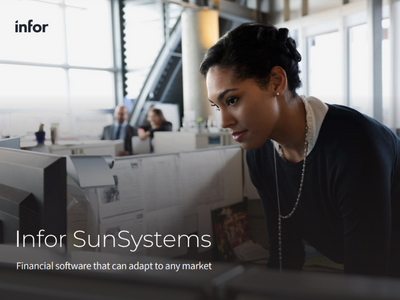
(224, 93)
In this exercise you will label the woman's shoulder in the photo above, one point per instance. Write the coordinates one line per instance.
(167, 126)
(351, 129)
(348, 121)
(344, 115)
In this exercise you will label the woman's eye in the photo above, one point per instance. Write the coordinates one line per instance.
(214, 105)
(231, 101)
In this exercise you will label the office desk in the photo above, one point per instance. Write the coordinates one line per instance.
(169, 141)
(90, 147)
(224, 282)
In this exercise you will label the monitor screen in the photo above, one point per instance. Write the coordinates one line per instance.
(10, 143)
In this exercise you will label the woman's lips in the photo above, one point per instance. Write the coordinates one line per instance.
(238, 135)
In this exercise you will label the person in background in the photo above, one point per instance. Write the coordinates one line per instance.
(157, 123)
(120, 130)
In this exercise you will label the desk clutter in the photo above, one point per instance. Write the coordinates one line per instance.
(168, 205)
(156, 203)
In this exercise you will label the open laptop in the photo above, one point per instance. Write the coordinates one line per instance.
(139, 146)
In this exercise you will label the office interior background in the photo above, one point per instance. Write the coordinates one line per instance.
(106, 52)
(101, 53)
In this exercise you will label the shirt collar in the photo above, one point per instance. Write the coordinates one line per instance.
(315, 114)
(116, 124)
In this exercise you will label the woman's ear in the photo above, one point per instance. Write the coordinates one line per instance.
(277, 80)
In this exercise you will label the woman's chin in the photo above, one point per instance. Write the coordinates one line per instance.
(248, 146)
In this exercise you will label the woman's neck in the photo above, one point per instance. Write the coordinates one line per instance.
(291, 129)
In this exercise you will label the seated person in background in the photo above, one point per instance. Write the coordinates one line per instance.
(157, 123)
(120, 130)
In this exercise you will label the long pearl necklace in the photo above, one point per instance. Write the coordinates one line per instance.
(298, 195)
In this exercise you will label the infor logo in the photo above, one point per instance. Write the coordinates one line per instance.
(27, 27)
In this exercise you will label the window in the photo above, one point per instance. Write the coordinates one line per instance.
(386, 78)
(148, 24)
(323, 67)
(144, 38)
(57, 74)
(359, 70)
(337, 63)
(359, 64)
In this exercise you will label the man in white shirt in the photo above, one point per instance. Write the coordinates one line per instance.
(120, 130)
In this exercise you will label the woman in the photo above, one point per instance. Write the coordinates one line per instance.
(157, 123)
(325, 173)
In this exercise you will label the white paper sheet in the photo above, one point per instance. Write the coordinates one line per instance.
(202, 178)
(161, 182)
(127, 194)
(134, 223)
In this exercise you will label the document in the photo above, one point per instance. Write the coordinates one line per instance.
(202, 178)
(127, 194)
(161, 182)
(133, 224)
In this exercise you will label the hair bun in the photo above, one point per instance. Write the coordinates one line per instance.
(287, 44)
(279, 40)
(291, 46)
(282, 35)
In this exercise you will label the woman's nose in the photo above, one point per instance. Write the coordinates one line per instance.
(227, 120)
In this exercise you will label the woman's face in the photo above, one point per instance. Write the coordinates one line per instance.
(250, 113)
(154, 119)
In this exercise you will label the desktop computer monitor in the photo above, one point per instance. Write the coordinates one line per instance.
(11, 143)
(18, 211)
(42, 175)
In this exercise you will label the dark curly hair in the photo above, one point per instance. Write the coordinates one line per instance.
(252, 50)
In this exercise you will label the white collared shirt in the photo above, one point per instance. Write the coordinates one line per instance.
(315, 114)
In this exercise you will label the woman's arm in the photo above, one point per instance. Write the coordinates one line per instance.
(143, 134)
(363, 185)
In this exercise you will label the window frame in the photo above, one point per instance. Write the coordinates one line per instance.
(115, 70)
(341, 19)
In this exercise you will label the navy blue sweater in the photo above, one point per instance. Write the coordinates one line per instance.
(349, 209)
